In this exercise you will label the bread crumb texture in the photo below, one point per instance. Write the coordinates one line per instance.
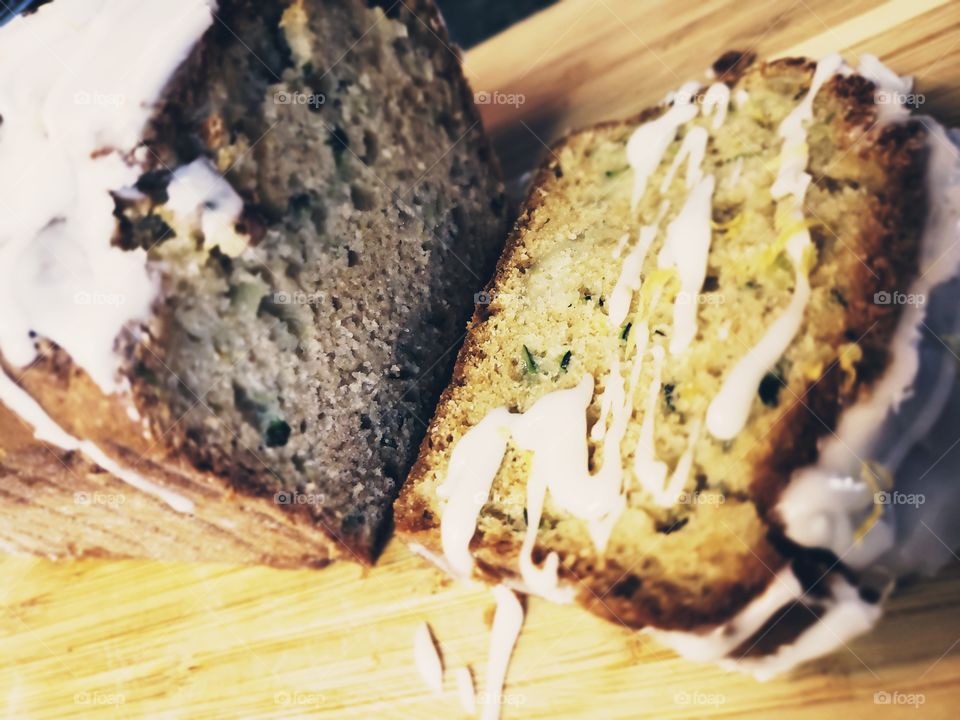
(307, 364)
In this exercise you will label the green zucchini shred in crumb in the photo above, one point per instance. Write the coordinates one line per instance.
(147, 375)
(668, 389)
(614, 173)
(529, 362)
(277, 434)
(565, 360)
(625, 333)
(769, 390)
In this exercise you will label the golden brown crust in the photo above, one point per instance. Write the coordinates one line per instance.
(59, 504)
(887, 257)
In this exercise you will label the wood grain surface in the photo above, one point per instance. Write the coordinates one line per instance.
(145, 639)
(585, 61)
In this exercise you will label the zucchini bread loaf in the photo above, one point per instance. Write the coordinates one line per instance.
(687, 304)
(242, 242)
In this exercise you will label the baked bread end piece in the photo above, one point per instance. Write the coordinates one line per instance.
(307, 303)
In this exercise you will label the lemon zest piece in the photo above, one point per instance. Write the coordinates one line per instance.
(732, 226)
(767, 256)
(850, 354)
(879, 479)
(657, 279)
(809, 258)
(814, 372)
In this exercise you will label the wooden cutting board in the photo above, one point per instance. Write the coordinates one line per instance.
(152, 640)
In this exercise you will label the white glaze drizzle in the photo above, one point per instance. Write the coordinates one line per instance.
(692, 149)
(650, 141)
(713, 643)
(730, 408)
(681, 471)
(507, 621)
(427, 659)
(610, 474)
(68, 129)
(553, 430)
(734, 177)
(843, 616)
(205, 202)
(628, 281)
(650, 471)
(621, 244)
(613, 386)
(792, 177)
(466, 693)
(687, 246)
(715, 102)
(686, 249)
(473, 465)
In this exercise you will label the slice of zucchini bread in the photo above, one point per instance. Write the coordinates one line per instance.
(299, 221)
(685, 306)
